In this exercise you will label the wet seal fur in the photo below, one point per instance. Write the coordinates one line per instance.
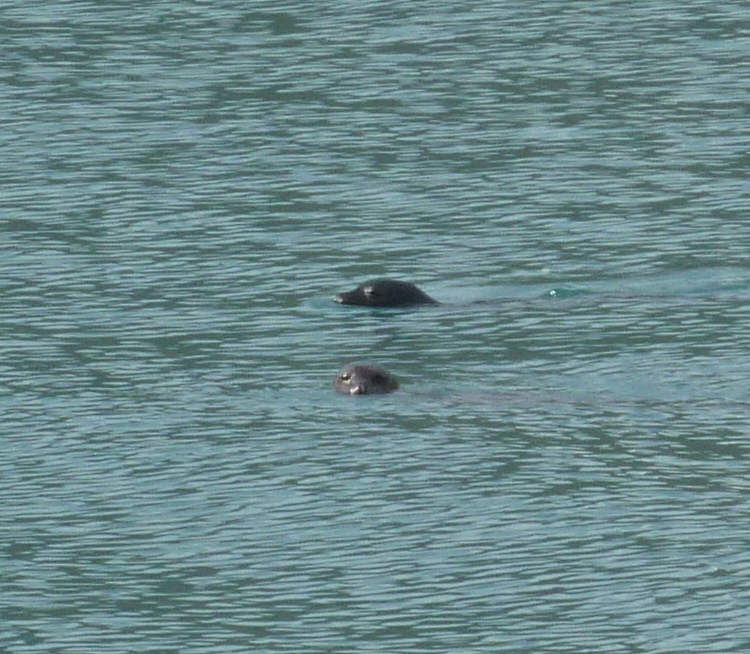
(385, 293)
(364, 379)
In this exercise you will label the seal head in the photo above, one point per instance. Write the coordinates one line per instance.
(385, 293)
(361, 379)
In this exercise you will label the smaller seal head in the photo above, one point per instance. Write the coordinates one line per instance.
(360, 379)
(385, 293)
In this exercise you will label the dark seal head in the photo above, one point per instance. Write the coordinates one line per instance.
(361, 379)
(385, 293)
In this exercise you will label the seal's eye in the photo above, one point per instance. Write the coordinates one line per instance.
(345, 376)
(368, 291)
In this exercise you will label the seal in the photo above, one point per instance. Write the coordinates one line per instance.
(385, 293)
(362, 379)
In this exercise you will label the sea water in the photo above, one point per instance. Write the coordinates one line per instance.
(186, 185)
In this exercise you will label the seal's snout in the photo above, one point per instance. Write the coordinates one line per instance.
(344, 298)
(357, 390)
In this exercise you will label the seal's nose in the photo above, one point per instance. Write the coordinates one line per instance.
(357, 390)
(343, 298)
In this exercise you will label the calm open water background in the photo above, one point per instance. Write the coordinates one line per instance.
(185, 186)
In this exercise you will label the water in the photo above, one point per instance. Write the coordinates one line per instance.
(185, 187)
